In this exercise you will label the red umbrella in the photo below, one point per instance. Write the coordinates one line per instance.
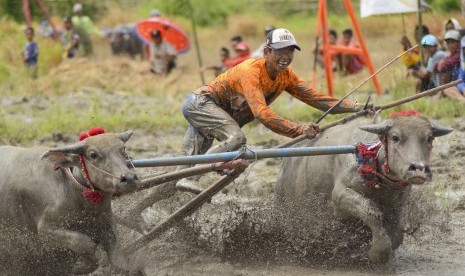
(169, 31)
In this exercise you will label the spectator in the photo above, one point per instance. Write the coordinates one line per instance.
(162, 55)
(85, 28)
(31, 53)
(412, 59)
(242, 53)
(457, 92)
(235, 40)
(449, 24)
(221, 66)
(435, 55)
(448, 68)
(70, 39)
(319, 51)
(155, 13)
(258, 53)
(244, 93)
(351, 64)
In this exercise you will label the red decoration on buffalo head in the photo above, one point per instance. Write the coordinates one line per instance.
(405, 113)
(92, 132)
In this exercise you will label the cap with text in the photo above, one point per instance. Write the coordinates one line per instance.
(281, 38)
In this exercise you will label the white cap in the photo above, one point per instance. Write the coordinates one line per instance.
(281, 38)
(77, 7)
(452, 34)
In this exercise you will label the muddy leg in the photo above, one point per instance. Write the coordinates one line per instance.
(74, 241)
(352, 203)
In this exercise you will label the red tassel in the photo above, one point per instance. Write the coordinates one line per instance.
(83, 136)
(96, 131)
(94, 197)
(404, 113)
(365, 170)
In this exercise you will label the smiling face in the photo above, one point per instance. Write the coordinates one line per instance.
(277, 60)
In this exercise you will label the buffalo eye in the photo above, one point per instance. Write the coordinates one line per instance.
(93, 155)
(395, 138)
(430, 139)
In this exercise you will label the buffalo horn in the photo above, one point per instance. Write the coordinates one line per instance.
(439, 130)
(377, 118)
(77, 148)
(380, 128)
(125, 135)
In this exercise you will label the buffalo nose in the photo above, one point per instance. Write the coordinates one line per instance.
(418, 166)
(129, 177)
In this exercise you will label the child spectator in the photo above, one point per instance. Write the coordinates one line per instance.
(412, 59)
(70, 40)
(435, 55)
(332, 34)
(31, 53)
(221, 66)
(351, 64)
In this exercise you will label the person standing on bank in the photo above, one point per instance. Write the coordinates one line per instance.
(162, 55)
(219, 109)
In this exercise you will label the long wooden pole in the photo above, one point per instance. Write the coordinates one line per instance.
(364, 112)
(365, 81)
(196, 41)
(153, 181)
(187, 209)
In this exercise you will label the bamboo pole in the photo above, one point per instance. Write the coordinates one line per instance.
(365, 81)
(364, 112)
(187, 209)
(153, 181)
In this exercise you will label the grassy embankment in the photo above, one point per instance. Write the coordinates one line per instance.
(152, 104)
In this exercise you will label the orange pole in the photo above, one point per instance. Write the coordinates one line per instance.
(363, 45)
(345, 49)
(326, 52)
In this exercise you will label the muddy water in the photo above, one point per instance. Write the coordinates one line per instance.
(238, 232)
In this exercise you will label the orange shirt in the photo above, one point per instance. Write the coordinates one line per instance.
(245, 92)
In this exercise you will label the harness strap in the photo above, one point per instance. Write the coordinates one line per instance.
(367, 158)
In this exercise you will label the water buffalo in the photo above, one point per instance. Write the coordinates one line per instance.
(55, 205)
(371, 188)
(124, 41)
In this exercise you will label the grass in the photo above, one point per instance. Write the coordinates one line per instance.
(112, 91)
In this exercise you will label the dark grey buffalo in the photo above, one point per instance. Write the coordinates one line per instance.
(47, 225)
(372, 188)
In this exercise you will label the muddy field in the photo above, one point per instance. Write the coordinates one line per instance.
(238, 232)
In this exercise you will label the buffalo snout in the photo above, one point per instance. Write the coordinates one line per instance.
(128, 181)
(418, 173)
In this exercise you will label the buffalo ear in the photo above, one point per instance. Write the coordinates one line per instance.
(439, 130)
(380, 128)
(61, 159)
(125, 135)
